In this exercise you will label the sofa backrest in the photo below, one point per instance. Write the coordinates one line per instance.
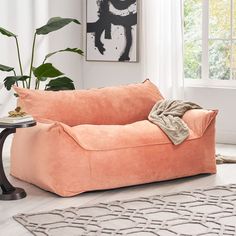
(110, 105)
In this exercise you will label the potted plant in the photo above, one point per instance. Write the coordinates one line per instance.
(46, 72)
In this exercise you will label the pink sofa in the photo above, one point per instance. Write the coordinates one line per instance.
(101, 139)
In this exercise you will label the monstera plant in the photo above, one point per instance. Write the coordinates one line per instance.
(53, 78)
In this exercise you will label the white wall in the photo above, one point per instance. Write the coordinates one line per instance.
(101, 74)
(223, 100)
(69, 36)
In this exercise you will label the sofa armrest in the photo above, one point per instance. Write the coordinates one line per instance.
(198, 120)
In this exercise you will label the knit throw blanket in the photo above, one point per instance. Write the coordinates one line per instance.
(167, 115)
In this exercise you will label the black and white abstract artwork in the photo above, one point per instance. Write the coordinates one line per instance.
(112, 30)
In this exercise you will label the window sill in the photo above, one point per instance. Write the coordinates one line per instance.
(214, 84)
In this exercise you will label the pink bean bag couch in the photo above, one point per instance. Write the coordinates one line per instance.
(101, 139)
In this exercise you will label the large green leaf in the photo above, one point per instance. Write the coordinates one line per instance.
(6, 68)
(54, 24)
(74, 50)
(46, 70)
(42, 78)
(11, 80)
(61, 83)
(6, 32)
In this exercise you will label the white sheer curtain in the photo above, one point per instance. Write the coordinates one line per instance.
(21, 18)
(163, 46)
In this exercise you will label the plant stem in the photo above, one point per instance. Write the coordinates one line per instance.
(32, 60)
(23, 82)
(38, 84)
(15, 75)
(18, 53)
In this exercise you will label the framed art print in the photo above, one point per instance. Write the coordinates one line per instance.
(112, 30)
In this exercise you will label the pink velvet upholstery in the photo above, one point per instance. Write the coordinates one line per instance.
(69, 160)
(111, 105)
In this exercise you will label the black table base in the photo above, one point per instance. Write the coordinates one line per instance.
(9, 192)
(16, 194)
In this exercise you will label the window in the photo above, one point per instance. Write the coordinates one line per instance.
(210, 42)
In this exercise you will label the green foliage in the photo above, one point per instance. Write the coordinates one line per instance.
(6, 68)
(219, 25)
(192, 38)
(219, 60)
(45, 71)
(6, 32)
(74, 50)
(54, 24)
(61, 83)
(219, 50)
(192, 59)
(11, 80)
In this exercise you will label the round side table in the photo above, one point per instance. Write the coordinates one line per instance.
(10, 192)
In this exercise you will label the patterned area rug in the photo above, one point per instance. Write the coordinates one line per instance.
(208, 212)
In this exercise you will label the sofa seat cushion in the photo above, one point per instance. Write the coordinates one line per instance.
(111, 105)
(51, 156)
(141, 133)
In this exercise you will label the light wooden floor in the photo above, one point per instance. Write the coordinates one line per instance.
(39, 200)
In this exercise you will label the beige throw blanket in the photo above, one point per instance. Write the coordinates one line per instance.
(220, 159)
(167, 115)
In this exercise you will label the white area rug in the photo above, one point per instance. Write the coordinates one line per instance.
(208, 212)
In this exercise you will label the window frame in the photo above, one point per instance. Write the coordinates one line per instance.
(205, 81)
